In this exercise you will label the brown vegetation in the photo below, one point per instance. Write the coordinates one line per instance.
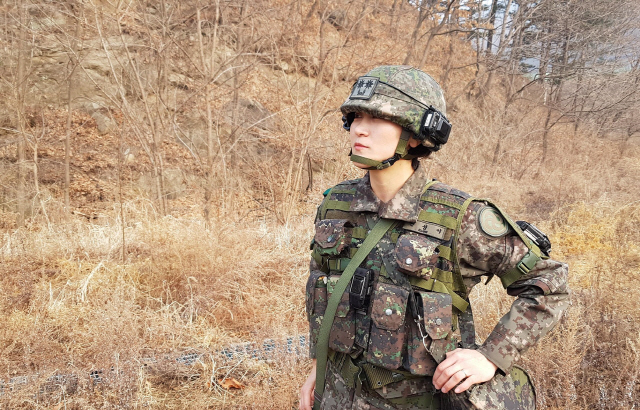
(200, 137)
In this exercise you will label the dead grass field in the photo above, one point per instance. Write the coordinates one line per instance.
(100, 293)
(72, 306)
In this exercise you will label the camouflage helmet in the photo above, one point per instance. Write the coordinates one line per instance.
(403, 95)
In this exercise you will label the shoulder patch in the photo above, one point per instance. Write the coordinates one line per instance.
(326, 192)
(492, 222)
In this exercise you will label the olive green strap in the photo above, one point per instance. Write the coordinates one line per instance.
(522, 268)
(402, 152)
(454, 245)
(371, 164)
(322, 346)
(437, 286)
(444, 220)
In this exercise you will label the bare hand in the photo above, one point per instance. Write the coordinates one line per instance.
(306, 392)
(463, 364)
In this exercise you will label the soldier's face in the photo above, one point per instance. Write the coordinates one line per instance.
(374, 138)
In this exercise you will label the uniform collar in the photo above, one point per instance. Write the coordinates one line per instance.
(404, 206)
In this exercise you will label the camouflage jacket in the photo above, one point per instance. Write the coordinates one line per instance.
(541, 295)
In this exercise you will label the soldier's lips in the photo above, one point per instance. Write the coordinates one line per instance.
(358, 147)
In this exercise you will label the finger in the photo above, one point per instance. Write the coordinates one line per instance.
(452, 358)
(456, 378)
(454, 351)
(447, 374)
(445, 370)
(468, 382)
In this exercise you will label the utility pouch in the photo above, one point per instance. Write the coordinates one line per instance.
(316, 301)
(416, 255)
(430, 332)
(360, 289)
(514, 391)
(343, 331)
(333, 236)
(387, 336)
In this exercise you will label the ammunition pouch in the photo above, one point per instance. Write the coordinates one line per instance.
(316, 302)
(430, 332)
(416, 255)
(343, 331)
(387, 335)
(333, 236)
(332, 239)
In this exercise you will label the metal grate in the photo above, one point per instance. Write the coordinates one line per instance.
(268, 350)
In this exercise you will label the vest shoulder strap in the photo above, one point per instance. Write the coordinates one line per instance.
(529, 260)
(344, 189)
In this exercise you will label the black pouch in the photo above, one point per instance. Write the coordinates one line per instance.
(513, 391)
(387, 337)
(343, 330)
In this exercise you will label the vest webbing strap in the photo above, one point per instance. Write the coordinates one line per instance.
(322, 346)
(339, 264)
(440, 201)
(444, 252)
(359, 232)
(444, 276)
(437, 286)
(339, 205)
(439, 219)
(350, 191)
(454, 243)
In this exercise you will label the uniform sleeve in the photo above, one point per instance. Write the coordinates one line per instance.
(542, 295)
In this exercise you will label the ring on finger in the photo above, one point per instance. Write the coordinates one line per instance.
(465, 373)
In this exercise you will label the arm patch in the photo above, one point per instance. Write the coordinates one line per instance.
(492, 223)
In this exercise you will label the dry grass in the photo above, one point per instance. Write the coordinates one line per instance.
(72, 304)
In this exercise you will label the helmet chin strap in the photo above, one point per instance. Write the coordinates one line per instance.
(402, 152)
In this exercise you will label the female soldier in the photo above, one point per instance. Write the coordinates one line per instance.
(395, 256)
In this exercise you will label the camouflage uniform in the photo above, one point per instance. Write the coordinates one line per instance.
(443, 238)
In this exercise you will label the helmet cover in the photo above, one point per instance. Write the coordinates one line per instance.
(399, 94)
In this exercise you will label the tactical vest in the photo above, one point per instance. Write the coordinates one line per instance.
(412, 261)
(413, 266)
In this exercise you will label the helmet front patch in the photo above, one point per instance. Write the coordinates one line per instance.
(364, 88)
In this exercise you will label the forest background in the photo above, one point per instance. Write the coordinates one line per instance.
(161, 163)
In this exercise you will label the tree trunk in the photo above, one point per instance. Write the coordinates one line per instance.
(545, 137)
(447, 67)
(492, 22)
(493, 60)
(414, 35)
